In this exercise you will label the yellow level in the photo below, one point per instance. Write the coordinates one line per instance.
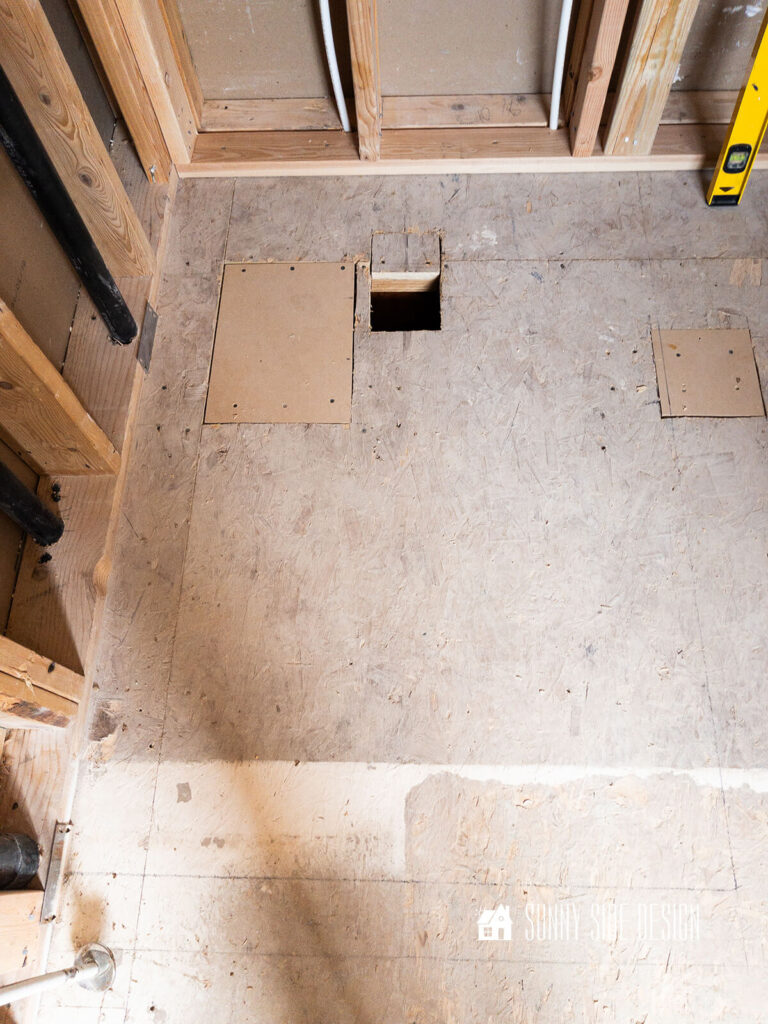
(748, 124)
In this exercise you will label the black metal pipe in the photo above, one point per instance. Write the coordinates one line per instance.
(19, 860)
(41, 178)
(26, 510)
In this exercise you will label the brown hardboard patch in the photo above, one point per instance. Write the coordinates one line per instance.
(283, 348)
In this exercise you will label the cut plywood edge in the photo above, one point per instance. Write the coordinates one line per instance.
(405, 261)
(283, 348)
(405, 281)
(707, 373)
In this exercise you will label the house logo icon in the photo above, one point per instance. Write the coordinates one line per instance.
(494, 924)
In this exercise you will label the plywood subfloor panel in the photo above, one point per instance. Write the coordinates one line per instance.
(501, 217)
(501, 640)
(433, 560)
(283, 349)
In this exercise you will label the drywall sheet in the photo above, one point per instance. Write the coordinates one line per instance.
(36, 278)
(247, 50)
(489, 46)
(11, 536)
(719, 47)
(283, 348)
(707, 373)
(271, 49)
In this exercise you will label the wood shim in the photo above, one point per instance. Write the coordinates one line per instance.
(707, 373)
(283, 348)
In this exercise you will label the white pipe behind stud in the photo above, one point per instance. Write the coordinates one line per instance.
(557, 78)
(333, 64)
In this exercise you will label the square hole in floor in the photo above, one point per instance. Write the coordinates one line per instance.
(405, 280)
(283, 346)
(405, 302)
(707, 373)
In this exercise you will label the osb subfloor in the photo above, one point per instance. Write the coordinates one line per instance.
(500, 641)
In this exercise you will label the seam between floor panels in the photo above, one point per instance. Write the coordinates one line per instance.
(705, 663)
(173, 643)
(382, 880)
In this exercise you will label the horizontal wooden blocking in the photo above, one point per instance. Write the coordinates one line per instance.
(254, 115)
(405, 261)
(35, 692)
(405, 281)
(714, 107)
(41, 418)
(483, 111)
(677, 147)
(394, 281)
(479, 111)
(40, 76)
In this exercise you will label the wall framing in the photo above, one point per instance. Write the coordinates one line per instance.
(69, 417)
(437, 134)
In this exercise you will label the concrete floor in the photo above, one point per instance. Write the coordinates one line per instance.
(502, 640)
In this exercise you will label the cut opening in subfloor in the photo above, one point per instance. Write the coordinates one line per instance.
(405, 302)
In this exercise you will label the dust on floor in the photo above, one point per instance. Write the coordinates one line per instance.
(498, 643)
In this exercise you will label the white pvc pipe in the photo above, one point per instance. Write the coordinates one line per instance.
(333, 64)
(557, 78)
(33, 986)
